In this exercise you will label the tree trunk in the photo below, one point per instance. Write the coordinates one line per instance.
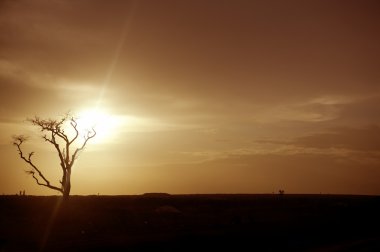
(67, 186)
(66, 192)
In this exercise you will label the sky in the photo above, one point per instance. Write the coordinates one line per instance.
(196, 96)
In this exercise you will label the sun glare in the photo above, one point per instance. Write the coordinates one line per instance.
(102, 122)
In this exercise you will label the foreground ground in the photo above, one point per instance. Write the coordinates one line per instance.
(158, 222)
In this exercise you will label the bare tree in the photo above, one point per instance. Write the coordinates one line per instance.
(54, 133)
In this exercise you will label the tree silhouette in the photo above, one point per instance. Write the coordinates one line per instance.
(54, 133)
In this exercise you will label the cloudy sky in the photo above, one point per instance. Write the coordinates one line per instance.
(197, 96)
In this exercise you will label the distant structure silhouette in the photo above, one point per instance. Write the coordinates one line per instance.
(54, 133)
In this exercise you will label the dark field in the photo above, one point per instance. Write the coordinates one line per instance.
(191, 223)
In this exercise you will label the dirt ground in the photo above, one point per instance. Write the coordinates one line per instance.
(160, 222)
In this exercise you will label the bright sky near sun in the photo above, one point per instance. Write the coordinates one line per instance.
(196, 96)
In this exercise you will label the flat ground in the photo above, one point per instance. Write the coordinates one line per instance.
(159, 222)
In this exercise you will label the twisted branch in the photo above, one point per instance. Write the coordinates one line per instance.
(18, 141)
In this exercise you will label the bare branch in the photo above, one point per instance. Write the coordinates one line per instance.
(90, 134)
(53, 141)
(18, 141)
(60, 154)
(50, 125)
(42, 184)
(74, 124)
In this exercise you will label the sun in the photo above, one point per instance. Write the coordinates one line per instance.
(105, 124)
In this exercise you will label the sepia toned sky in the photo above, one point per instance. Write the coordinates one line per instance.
(206, 96)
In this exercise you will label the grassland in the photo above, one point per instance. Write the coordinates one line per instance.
(159, 222)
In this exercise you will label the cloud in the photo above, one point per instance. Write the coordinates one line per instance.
(232, 53)
(18, 99)
(229, 67)
(365, 139)
(363, 111)
(266, 173)
(306, 112)
(62, 38)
